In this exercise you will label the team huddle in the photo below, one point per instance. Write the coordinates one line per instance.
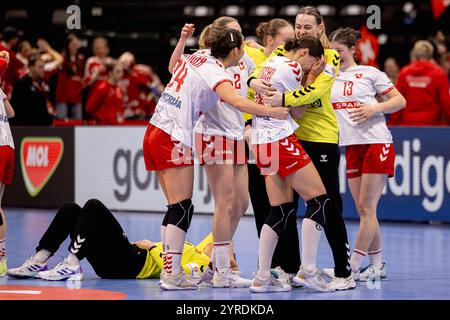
(289, 105)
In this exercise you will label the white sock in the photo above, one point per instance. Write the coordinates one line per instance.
(213, 259)
(163, 241)
(73, 260)
(2, 248)
(267, 243)
(42, 255)
(175, 242)
(222, 256)
(310, 244)
(173, 262)
(356, 259)
(376, 258)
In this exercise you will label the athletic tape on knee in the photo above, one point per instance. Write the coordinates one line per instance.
(316, 209)
(180, 214)
(278, 217)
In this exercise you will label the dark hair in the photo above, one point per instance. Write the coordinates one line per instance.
(313, 44)
(10, 33)
(67, 61)
(222, 41)
(111, 64)
(312, 11)
(270, 28)
(22, 44)
(33, 59)
(345, 36)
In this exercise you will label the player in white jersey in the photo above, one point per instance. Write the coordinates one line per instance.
(6, 158)
(220, 147)
(368, 144)
(199, 80)
(287, 166)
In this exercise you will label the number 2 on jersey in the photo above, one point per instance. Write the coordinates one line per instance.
(180, 72)
(348, 88)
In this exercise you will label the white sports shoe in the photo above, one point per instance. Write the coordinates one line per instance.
(236, 281)
(194, 273)
(271, 284)
(177, 282)
(221, 279)
(373, 272)
(329, 274)
(313, 280)
(63, 271)
(343, 283)
(29, 269)
(279, 274)
(207, 275)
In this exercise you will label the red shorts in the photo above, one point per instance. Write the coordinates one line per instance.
(6, 164)
(219, 150)
(370, 158)
(161, 151)
(282, 157)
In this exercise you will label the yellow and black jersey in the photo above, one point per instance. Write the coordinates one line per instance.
(318, 123)
(191, 254)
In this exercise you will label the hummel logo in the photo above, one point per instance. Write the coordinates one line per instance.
(384, 152)
(323, 158)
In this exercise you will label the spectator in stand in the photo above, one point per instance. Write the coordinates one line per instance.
(24, 51)
(96, 65)
(142, 88)
(30, 97)
(105, 102)
(425, 88)
(10, 38)
(70, 76)
(391, 68)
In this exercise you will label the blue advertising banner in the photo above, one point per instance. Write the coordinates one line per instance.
(420, 189)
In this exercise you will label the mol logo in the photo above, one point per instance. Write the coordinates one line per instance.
(39, 158)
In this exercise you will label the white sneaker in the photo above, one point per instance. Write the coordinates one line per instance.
(236, 281)
(207, 275)
(177, 282)
(29, 269)
(343, 283)
(271, 284)
(194, 273)
(63, 271)
(221, 279)
(328, 273)
(161, 277)
(373, 272)
(313, 280)
(279, 274)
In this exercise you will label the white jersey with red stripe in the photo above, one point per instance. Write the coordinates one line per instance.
(6, 138)
(224, 119)
(355, 86)
(283, 75)
(191, 90)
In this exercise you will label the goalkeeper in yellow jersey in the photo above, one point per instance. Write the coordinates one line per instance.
(97, 236)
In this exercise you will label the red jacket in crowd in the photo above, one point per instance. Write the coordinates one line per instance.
(105, 103)
(70, 80)
(12, 74)
(426, 90)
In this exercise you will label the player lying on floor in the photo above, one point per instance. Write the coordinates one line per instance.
(97, 236)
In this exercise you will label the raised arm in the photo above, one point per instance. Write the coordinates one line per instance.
(186, 33)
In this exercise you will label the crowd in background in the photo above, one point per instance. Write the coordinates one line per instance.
(48, 87)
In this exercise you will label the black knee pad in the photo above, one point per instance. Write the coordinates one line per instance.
(180, 214)
(166, 217)
(279, 216)
(316, 210)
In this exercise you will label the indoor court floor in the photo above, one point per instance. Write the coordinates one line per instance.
(417, 259)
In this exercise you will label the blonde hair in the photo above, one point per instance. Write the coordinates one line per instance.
(219, 23)
(270, 28)
(311, 11)
(423, 49)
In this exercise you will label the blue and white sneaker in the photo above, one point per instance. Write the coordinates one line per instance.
(29, 269)
(63, 271)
